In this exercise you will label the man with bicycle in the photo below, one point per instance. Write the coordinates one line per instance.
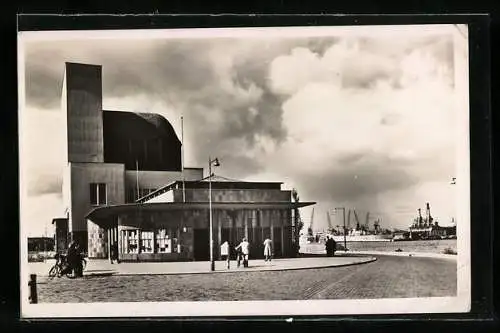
(73, 258)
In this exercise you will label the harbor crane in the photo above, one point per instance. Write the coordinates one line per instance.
(376, 226)
(428, 213)
(310, 234)
(330, 228)
(310, 229)
(349, 219)
(357, 220)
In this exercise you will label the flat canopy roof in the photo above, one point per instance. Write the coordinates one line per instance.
(59, 219)
(112, 210)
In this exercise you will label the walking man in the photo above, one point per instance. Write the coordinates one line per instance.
(114, 252)
(74, 259)
(267, 250)
(245, 251)
(239, 256)
(224, 252)
(328, 245)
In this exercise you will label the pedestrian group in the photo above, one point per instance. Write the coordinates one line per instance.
(243, 252)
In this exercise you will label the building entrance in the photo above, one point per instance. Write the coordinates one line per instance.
(201, 239)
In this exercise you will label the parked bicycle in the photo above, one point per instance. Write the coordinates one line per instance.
(62, 267)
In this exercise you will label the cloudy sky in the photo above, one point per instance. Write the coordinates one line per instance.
(363, 120)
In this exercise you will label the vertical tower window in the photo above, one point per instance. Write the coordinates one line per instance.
(98, 194)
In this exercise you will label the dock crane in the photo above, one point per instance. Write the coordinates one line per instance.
(349, 220)
(429, 218)
(312, 220)
(357, 220)
(310, 236)
(330, 227)
(367, 227)
(376, 226)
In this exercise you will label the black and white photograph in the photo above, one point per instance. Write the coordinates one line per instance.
(244, 171)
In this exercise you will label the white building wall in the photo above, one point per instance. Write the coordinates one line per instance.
(82, 175)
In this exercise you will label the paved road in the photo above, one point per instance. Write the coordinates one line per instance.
(388, 277)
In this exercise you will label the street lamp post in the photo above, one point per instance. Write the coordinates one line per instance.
(215, 162)
(343, 215)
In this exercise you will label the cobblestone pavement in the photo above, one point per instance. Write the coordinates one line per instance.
(388, 277)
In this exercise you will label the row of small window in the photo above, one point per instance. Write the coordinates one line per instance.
(147, 242)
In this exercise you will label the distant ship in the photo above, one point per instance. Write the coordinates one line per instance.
(361, 233)
(363, 238)
(426, 228)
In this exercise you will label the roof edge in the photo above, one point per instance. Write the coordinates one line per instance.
(214, 204)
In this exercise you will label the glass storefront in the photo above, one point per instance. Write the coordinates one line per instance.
(129, 241)
(149, 241)
(147, 245)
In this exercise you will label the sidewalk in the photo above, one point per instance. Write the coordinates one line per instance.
(104, 267)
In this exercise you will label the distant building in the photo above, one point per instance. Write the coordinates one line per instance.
(122, 180)
(40, 244)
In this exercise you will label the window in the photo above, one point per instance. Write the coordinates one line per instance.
(163, 241)
(98, 194)
(147, 242)
(129, 241)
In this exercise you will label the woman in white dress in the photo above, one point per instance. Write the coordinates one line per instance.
(267, 249)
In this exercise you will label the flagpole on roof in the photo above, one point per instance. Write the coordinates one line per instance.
(137, 177)
(182, 161)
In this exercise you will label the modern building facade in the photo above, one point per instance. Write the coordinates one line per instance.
(122, 185)
(113, 157)
(172, 223)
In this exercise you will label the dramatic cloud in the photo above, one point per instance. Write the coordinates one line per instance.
(42, 151)
(354, 121)
(362, 123)
(219, 86)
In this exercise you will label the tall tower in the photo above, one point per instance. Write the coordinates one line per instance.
(82, 108)
(81, 104)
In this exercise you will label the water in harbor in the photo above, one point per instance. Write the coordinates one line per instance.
(428, 246)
